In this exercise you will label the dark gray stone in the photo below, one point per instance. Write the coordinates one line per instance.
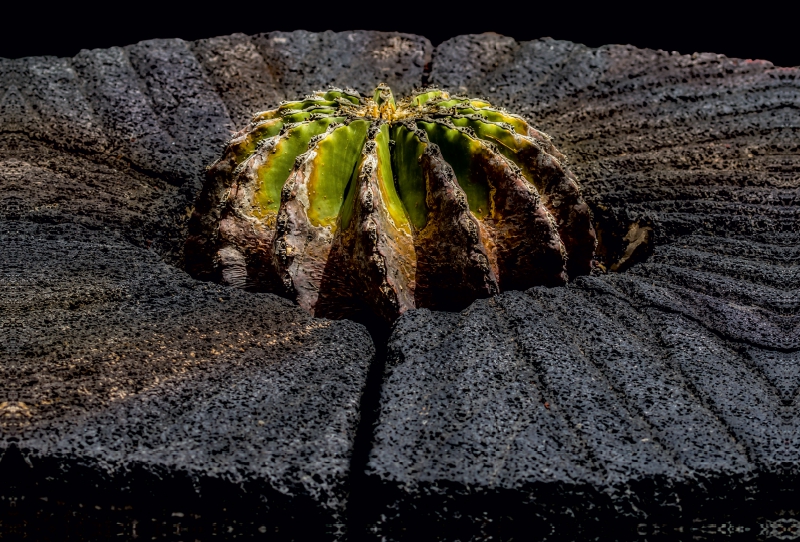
(16, 113)
(526, 75)
(189, 110)
(663, 399)
(241, 76)
(47, 185)
(124, 375)
(659, 399)
(118, 97)
(305, 61)
(256, 73)
(43, 98)
(576, 411)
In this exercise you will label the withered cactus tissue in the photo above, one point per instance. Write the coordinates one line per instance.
(349, 204)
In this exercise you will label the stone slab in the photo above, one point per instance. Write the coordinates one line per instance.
(658, 400)
(129, 384)
(576, 412)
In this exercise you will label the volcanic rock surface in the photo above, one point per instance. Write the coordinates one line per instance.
(129, 386)
(122, 371)
(659, 398)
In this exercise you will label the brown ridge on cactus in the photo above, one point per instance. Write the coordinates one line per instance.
(351, 204)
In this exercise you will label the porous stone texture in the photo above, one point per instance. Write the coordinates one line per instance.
(121, 137)
(168, 394)
(136, 399)
(255, 73)
(662, 400)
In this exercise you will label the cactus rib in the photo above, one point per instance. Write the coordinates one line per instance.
(351, 204)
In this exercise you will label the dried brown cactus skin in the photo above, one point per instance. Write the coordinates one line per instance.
(353, 205)
(453, 259)
(373, 255)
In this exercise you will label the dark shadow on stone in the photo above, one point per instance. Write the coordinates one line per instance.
(362, 501)
(622, 240)
(59, 499)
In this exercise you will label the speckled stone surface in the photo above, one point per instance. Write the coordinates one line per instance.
(135, 398)
(660, 400)
(163, 392)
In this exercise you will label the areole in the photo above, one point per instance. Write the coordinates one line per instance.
(349, 204)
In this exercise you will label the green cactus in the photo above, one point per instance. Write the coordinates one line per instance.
(349, 204)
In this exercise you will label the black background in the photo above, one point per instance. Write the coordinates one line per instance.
(761, 30)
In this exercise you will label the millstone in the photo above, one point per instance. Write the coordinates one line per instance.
(352, 204)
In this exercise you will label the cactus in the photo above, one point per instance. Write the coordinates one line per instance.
(350, 204)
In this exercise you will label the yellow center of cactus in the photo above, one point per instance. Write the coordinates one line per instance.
(383, 106)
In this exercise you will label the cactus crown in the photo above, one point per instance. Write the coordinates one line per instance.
(349, 203)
